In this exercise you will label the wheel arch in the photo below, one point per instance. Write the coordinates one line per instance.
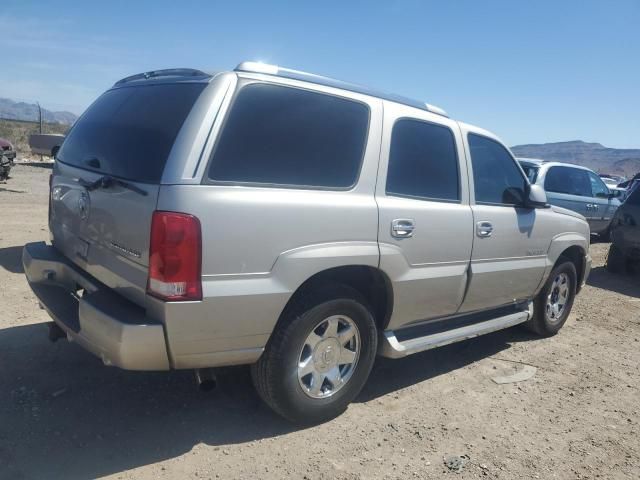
(576, 255)
(370, 282)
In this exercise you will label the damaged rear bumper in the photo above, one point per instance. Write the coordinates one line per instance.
(92, 315)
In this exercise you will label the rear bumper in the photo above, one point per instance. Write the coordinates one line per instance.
(103, 322)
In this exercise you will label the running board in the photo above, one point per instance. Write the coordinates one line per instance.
(391, 347)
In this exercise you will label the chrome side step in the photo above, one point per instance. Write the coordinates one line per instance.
(391, 347)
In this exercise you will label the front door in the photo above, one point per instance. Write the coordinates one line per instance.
(510, 242)
(602, 207)
(425, 222)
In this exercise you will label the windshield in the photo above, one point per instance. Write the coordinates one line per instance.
(128, 132)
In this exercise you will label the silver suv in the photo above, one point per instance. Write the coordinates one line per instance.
(295, 223)
(576, 188)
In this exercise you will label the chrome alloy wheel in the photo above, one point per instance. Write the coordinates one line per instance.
(329, 356)
(557, 298)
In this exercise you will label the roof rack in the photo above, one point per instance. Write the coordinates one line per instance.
(169, 72)
(259, 67)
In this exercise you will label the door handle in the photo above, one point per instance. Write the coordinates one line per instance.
(402, 227)
(484, 229)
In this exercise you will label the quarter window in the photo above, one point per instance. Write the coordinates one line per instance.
(571, 181)
(497, 178)
(289, 136)
(423, 161)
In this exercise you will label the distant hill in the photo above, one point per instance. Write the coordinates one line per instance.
(601, 159)
(11, 110)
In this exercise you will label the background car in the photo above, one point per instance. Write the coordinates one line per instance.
(612, 180)
(625, 233)
(576, 188)
(6, 148)
(45, 143)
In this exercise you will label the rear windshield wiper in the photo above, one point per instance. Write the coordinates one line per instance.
(107, 181)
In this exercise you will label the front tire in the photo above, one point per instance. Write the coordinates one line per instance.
(553, 304)
(318, 358)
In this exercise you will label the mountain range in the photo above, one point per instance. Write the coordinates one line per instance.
(11, 110)
(597, 157)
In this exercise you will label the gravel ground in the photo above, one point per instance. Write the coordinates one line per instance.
(64, 415)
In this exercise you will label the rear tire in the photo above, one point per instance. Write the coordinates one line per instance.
(299, 375)
(616, 261)
(553, 304)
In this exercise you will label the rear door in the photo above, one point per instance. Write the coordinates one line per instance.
(106, 180)
(425, 227)
(510, 242)
(570, 188)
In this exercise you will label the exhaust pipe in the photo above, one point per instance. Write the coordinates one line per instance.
(205, 379)
(55, 332)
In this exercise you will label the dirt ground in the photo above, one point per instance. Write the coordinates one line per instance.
(64, 415)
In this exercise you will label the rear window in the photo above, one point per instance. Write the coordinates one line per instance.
(128, 132)
(288, 136)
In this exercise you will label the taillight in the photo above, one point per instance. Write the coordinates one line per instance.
(175, 255)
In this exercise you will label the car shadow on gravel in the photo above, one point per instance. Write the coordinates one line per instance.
(9, 190)
(623, 283)
(48, 165)
(11, 259)
(64, 415)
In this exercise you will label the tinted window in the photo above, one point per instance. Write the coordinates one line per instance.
(572, 181)
(497, 178)
(598, 188)
(288, 136)
(423, 161)
(128, 132)
(634, 196)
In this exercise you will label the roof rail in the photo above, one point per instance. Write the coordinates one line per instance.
(259, 67)
(169, 72)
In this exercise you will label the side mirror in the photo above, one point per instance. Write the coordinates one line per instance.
(537, 197)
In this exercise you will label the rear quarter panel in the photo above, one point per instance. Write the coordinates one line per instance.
(260, 243)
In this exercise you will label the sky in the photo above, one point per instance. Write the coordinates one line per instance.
(530, 71)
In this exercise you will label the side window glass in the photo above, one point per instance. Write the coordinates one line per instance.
(289, 136)
(557, 180)
(571, 181)
(497, 178)
(598, 188)
(423, 161)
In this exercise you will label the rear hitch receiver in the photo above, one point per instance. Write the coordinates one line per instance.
(205, 379)
(55, 332)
